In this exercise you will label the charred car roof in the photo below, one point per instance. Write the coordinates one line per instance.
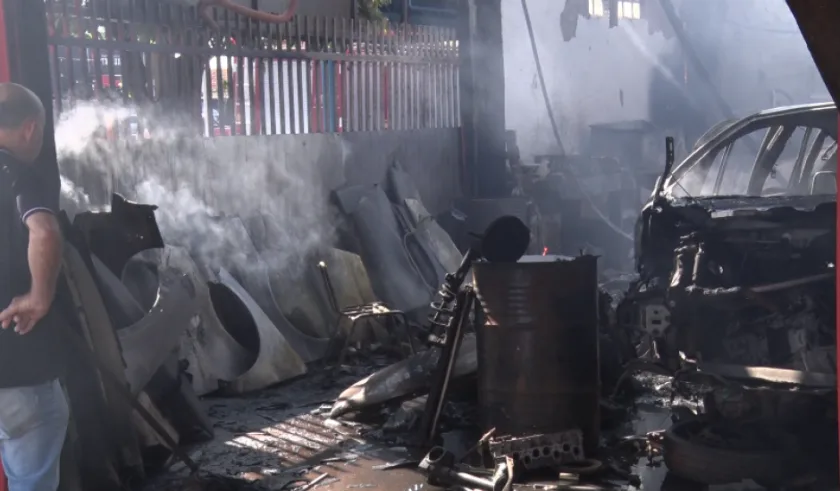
(815, 119)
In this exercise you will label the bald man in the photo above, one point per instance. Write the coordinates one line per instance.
(33, 410)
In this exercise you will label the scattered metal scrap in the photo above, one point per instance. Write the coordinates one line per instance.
(439, 464)
(539, 451)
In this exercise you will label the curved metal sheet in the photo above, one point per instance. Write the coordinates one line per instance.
(147, 343)
(120, 302)
(434, 237)
(277, 360)
(211, 353)
(403, 378)
(98, 330)
(258, 283)
(256, 280)
(394, 278)
(118, 235)
(300, 296)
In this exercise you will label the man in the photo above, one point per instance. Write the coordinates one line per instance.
(33, 410)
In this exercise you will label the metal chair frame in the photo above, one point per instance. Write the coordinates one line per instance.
(355, 313)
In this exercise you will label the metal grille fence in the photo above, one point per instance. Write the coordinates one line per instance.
(311, 75)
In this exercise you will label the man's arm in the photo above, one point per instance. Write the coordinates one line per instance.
(37, 208)
(44, 253)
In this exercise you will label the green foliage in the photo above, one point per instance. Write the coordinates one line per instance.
(372, 9)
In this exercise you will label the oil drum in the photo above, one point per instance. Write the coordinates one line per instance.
(538, 366)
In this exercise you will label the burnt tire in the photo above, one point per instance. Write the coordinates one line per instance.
(689, 459)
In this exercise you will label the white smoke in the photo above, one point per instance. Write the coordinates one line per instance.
(164, 161)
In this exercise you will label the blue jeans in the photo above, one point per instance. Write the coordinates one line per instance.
(33, 424)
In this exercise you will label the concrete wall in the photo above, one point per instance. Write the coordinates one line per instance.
(768, 63)
(600, 75)
(251, 173)
(597, 74)
(429, 156)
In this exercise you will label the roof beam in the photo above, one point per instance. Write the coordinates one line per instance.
(819, 21)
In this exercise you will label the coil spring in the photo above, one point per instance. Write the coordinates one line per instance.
(443, 308)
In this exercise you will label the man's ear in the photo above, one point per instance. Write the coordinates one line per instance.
(29, 127)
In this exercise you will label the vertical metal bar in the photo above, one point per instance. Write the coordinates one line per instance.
(112, 33)
(325, 86)
(363, 51)
(315, 72)
(373, 102)
(392, 81)
(370, 51)
(231, 100)
(424, 78)
(309, 78)
(448, 75)
(451, 88)
(423, 71)
(442, 77)
(158, 84)
(374, 75)
(283, 77)
(334, 78)
(172, 78)
(315, 120)
(434, 104)
(209, 123)
(377, 86)
(241, 62)
(273, 82)
(222, 93)
(357, 73)
(457, 83)
(402, 82)
(415, 79)
(431, 66)
(420, 71)
(255, 90)
(97, 53)
(294, 67)
(302, 65)
(324, 79)
(56, 61)
(126, 67)
(192, 66)
(71, 76)
(82, 27)
(347, 44)
(437, 99)
(454, 90)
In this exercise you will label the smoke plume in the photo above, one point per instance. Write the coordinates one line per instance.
(200, 185)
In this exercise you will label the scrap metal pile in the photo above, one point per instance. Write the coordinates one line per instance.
(520, 354)
(166, 323)
(733, 308)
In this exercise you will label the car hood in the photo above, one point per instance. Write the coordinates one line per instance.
(729, 205)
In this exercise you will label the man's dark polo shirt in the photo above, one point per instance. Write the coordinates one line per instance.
(32, 358)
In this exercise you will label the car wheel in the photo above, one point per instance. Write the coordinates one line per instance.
(722, 453)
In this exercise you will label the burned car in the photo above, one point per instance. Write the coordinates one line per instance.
(735, 250)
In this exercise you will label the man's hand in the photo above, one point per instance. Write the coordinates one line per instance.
(24, 312)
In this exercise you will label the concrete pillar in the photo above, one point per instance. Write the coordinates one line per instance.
(482, 91)
(28, 62)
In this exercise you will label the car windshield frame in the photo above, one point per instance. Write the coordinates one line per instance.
(810, 115)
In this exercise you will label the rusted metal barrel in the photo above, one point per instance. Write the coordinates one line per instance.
(538, 364)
